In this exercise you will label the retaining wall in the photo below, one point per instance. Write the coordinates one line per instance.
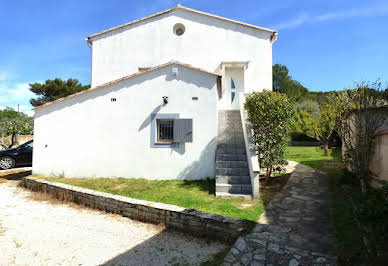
(190, 220)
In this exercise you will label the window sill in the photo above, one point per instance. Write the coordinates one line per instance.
(164, 143)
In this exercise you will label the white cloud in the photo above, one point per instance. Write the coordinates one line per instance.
(305, 18)
(13, 93)
(21, 91)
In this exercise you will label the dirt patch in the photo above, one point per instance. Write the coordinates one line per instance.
(2, 180)
(274, 185)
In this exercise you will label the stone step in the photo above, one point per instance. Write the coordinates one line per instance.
(231, 164)
(233, 180)
(229, 195)
(231, 157)
(232, 171)
(230, 145)
(230, 151)
(234, 189)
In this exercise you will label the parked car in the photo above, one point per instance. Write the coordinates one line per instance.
(19, 156)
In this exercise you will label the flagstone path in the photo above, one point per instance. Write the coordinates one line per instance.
(295, 228)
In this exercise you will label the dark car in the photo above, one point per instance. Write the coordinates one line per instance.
(20, 156)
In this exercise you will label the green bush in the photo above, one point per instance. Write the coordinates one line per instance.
(270, 114)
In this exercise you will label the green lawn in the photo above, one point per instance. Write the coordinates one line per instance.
(313, 156)
(199, 195)
(345, 229)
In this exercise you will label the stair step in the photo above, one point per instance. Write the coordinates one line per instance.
(231, 164)
(231, 157)
(232, 171)
(230, 151)
(233, 180)
(229, 195)
(230, 145)
(234, 189)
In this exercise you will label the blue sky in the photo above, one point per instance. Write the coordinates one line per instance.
(326, 45)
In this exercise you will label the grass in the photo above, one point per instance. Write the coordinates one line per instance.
(345, 229)
(313, 156)
(199, 195)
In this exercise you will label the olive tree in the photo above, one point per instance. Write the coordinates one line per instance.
(12, 124)
(321, 121)
(270, 114)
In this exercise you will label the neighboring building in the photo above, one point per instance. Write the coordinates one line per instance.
(379, 161)
(165, 99)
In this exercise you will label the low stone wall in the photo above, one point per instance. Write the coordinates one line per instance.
(190, 220)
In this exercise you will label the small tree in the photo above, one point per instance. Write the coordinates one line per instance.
(321, 123)
(13, 123)
(270, 114)
(359, 128)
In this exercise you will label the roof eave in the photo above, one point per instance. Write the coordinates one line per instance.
(218, 75)
(90, 37)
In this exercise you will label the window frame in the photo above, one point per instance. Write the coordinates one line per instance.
(154, 130)
(167, 140)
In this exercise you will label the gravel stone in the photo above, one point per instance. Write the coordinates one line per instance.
(293, 262)
(41, 233)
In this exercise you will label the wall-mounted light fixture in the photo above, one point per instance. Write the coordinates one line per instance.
(165, 100)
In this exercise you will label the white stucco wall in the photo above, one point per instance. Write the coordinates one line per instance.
(206, 43)
(90, 136)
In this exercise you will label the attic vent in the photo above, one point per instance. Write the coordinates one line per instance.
(142, 69)
(112, 99)
(179, 29)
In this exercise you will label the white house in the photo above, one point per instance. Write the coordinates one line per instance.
(164, 102)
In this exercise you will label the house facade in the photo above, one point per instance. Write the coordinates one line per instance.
(164, 103)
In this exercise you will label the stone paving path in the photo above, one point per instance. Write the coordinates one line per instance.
(295, 228)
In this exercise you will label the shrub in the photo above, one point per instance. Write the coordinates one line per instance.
(270, 114)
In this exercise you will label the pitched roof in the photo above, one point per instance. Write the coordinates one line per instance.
(128, 77)
(180, 7)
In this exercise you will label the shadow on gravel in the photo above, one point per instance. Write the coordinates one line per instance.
(14, 174)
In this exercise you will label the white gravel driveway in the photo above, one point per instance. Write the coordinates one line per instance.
(40, 233)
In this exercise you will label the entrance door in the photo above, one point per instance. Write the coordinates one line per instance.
(235, 85)
(234, 103)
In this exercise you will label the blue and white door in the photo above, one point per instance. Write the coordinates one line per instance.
(234, 85)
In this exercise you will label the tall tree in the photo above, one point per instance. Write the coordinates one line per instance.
(55, 89)
(283, 82)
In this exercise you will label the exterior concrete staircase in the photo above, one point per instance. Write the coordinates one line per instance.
(232, 172)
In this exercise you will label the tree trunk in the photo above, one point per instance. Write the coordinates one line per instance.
(14, 139)
(267, 175)
(325, 147)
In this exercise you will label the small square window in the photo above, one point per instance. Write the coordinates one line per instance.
(165, 130)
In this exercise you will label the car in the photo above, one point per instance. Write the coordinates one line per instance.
(15, 157)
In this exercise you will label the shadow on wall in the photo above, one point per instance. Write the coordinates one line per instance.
(99, 92)
(205, 159)
(148, 120)
(191, 76)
